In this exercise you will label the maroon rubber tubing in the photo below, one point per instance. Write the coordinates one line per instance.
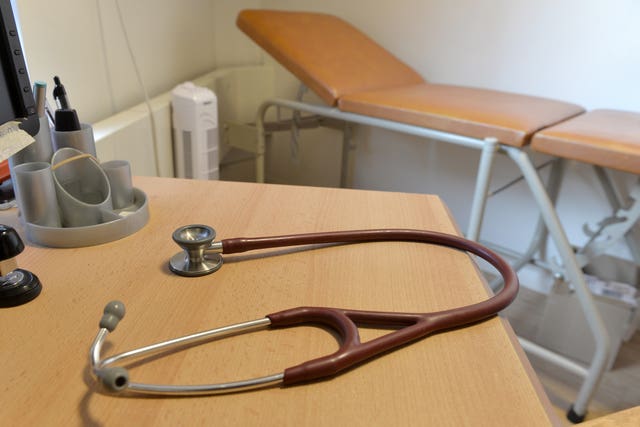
(344, 321)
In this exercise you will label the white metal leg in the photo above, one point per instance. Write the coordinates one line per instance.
(559, 360)
(261, 143)
(481, 192)
(348, 147)
(539, 240)
(574, 275)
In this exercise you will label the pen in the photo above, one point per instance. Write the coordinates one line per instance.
(66, 118)
(60, 94)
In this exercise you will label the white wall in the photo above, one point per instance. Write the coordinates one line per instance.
(82, 42)
(584, 51)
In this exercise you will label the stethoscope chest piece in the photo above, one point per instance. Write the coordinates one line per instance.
(196, 259)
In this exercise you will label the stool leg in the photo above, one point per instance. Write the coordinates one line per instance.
(552, 222)
(261, 144)
(554, 183)
(483, 179)
(538, 244)
(348, 147)
(540, 236)
(553, 190)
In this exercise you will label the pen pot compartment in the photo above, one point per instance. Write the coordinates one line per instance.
(119, 175)
(81, 140)
(36, 193)
(39, 151)
(82, 188)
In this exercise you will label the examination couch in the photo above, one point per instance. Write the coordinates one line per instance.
(360, 82)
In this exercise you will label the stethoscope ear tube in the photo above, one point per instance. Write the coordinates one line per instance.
(116, 379)
(198, 242)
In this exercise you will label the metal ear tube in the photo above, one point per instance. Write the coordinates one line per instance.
(115, 379)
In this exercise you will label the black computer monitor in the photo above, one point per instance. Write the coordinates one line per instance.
(16, 95)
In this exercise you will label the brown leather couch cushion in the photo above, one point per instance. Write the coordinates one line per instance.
(328, 55)
(606, 138)
(477, 113)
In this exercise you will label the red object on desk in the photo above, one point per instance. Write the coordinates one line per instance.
(5, 174)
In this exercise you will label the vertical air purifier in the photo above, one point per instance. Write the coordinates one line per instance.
(195, 132)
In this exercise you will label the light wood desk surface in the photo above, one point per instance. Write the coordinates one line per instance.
(470, 376)
(627, 418)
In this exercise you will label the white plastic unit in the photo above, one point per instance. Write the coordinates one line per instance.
(195, 132)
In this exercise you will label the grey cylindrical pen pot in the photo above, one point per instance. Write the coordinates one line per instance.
(39, 151)
(82, 187)
(81, 140)
(119, 175)
(36, 194)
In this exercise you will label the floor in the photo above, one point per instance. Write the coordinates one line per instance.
(619, 388)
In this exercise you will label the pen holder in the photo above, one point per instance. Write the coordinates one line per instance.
(39, 151)
(81, 140)
(67, 199)
(82, 188)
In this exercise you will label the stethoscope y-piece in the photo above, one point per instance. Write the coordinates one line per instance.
(202, 255)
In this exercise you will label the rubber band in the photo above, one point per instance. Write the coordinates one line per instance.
(74, 158)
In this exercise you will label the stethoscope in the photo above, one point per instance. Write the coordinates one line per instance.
(202, 255)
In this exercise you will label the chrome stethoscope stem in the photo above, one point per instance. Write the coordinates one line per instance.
(207, 389)
(198, 337)
(96, 348)
(116, 379)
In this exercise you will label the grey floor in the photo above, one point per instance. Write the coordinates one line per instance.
(620, 387)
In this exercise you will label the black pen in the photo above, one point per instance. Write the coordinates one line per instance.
(60, 94)
(66, 118)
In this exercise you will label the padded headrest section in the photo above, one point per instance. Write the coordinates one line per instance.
(608, 138)
(328, 55)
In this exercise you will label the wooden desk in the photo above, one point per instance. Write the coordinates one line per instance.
(627, 418)
(476, 375)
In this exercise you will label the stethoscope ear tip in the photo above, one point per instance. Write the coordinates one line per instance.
(113, 312)
(115, 379)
